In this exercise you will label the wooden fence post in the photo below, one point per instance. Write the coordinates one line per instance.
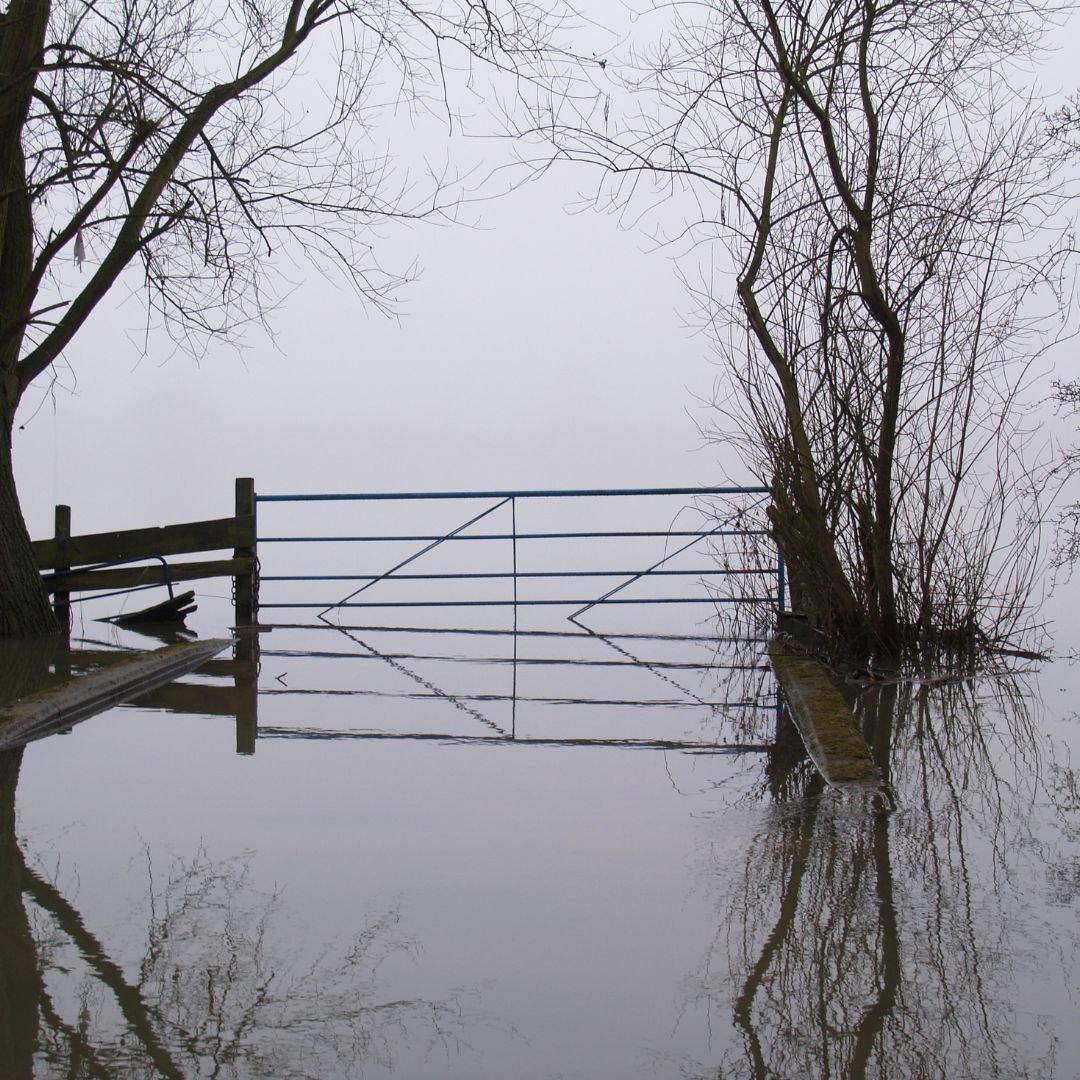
(62, 600)
(246, 585)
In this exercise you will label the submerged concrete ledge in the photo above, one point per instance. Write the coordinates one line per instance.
(61, 706)
(824, 719)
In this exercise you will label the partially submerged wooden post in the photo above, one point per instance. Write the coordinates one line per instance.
(62, 600)
(824, 719)
(246, 584)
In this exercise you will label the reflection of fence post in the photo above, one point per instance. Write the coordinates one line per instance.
(247, 601)
(246, 682)
(62, 600)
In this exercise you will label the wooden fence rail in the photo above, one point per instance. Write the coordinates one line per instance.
(76, 560)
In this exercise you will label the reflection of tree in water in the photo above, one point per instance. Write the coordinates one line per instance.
(20, 982)
(888, 946)
(212, 994)
(1063, 871)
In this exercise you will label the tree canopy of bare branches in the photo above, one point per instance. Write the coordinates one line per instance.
(893, 265)
(191, 143)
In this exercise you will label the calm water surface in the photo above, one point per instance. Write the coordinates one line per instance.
(527, 896)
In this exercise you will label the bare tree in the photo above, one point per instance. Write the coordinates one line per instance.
(187, 142)
(886, 203)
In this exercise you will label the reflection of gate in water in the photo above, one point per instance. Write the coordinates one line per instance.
(697, 582)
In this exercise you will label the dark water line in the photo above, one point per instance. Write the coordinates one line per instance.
(711, 639)
(540, 661)
(441, 695)
(321, 735)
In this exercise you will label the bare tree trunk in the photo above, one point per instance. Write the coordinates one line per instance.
(24, 603)
(819, 587)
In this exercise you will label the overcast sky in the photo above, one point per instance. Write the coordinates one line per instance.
(540, 349)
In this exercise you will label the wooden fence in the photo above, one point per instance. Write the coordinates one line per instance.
(94, 562)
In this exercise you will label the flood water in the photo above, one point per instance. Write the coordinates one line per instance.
(416, 852)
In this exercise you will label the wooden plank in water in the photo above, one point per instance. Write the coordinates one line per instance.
(76, 699)
(824, 719)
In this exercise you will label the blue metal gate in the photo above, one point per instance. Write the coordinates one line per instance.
(525, 566)
(735, 518)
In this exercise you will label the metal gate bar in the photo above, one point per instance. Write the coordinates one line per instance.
(555, 493)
